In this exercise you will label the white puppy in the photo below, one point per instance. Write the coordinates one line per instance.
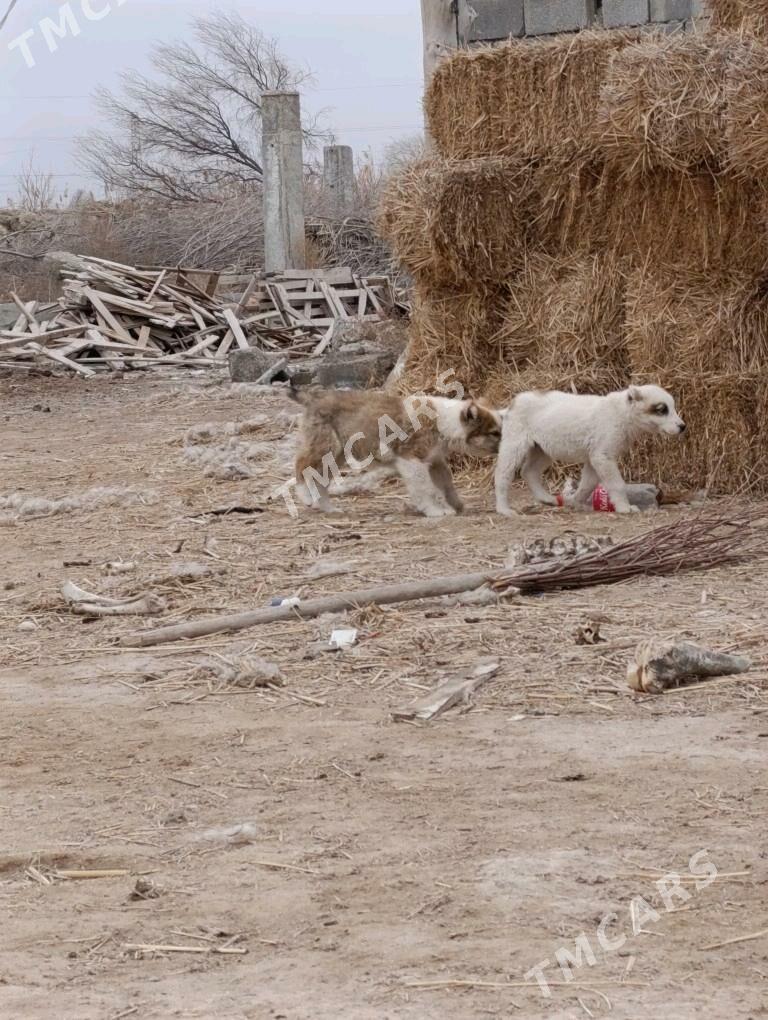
(542, 427)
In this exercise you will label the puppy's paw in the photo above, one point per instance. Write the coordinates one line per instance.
(506, 511)
(439, 511)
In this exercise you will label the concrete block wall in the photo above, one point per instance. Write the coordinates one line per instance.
(503, 19)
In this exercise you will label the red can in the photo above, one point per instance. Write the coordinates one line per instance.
(601, 501)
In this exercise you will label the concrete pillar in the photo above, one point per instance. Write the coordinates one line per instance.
(283, 164)
(446, 25)
(339, 178)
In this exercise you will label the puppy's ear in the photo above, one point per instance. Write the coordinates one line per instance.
(634, 395)
(471, 412)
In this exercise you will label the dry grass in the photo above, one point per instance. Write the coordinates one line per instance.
(662, 105)
(459, 221)
(725, 448)
(746, 125)
(706, 340)
(693, 324)
(563, 324)
(750, 17)
(534, 98)
(700, 221)
(456, 331)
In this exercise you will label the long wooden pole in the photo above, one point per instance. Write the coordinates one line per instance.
(383, 595)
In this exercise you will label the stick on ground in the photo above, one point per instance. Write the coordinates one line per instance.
(384, 595)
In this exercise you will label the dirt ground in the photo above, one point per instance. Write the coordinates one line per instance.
(389, 869)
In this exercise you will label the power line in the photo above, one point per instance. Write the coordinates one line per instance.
(44, 174)
(336, 88)
(71, 138)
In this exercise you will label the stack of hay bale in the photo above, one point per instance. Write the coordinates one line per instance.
(597, 213)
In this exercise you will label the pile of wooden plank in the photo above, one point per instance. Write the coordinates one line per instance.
(113, 316)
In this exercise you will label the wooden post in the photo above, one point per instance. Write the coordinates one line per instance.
(283, 162)
(446, 25)
(339, 178)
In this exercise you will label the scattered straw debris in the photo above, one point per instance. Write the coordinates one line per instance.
(245, 671)
(19, 504)
(210, 431)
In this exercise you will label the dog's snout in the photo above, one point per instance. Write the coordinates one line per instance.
(682, 427)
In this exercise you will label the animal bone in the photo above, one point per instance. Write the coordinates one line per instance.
(85, 603)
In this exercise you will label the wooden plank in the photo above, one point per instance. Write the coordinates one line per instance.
(335, 304)
(27, 311)
(236, 328)
(226, 343)
(245, 296)
(452, 691)
(156, 285)
(51, 334)
(336, 275)
(106, 315)
(55, 356)
(201, 345)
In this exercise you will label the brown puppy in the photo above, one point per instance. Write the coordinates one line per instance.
(347, 428)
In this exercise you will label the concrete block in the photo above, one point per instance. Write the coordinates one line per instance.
(617, 13)
(497, 19)
(548, 17)
(248, 366)
(670, 10)
(356, 371)
(669, 27)
(9, 313)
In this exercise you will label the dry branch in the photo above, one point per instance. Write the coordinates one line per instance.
(710, 539)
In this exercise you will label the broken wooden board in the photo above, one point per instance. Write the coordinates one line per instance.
(456, 690)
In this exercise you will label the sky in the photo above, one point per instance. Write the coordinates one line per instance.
(365, 56)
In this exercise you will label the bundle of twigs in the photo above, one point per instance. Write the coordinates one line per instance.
(710, 539)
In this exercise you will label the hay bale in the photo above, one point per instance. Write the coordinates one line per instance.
(459, 221)
(454, 332)
(403, 218)
(725, 448)
(699, 221)
(748, 17)
(557, 324)
(693, 324)
(564, 319)
(746, 123)
(525, 98)
(705, 339)
(662, 105)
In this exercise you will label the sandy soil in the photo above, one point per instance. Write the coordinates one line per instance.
(392, 870)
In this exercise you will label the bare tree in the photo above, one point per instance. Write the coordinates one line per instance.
(196, 127)
(402, 152)
(36, 188)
